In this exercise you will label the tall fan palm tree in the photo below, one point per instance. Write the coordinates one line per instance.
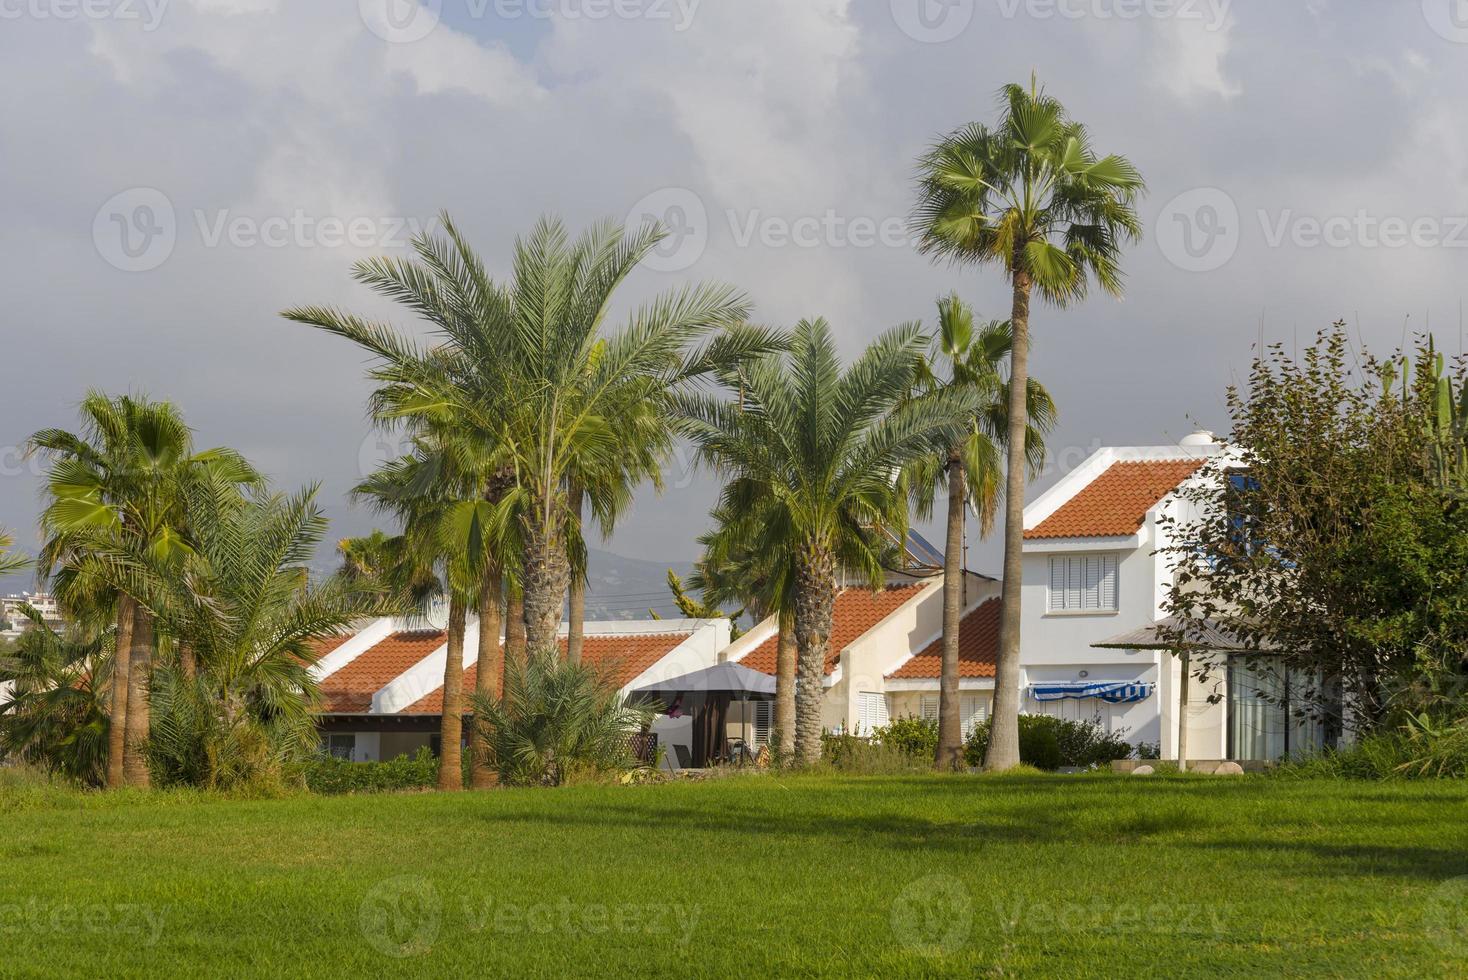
(527, 366)
(1031, 197)
(243, 601)
(120, 482)
(968, 471)
(817, 451)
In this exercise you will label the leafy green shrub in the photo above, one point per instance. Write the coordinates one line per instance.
(557, 721)
(914, 736)
(1047, 742)
(332, 775)
(1421, 749)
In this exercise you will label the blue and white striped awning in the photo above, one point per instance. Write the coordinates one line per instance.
(1113, 692)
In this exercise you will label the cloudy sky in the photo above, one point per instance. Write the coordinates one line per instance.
(176, 172)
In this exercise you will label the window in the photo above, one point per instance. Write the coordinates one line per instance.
(973, 710)
(872, 712)
(1275, 712)
(1083, 583)
(341, 746)
(928, 707)
(764, 719)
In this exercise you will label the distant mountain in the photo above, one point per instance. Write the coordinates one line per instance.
(626, 588)
(617, 587)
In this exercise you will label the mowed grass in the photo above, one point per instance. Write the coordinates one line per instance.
(757, 876)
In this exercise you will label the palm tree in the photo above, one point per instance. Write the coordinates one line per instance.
(55, 712)
(526, 366)
(968, 471)
(1033, 198)
(121, 482)
(818, 453)
(437, 496)
(742, 564)
(243, 602)
(8, 562)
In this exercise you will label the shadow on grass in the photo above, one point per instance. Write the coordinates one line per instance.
(959, 816)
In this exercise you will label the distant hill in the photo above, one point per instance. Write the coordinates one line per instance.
(626, 588)
(617, 587)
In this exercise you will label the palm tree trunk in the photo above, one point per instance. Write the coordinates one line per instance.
(1003, 751)
(785, 658)
(815, 598)
(451, 721)
(950, 732)
(188, 664)
(576, 606)
(121, 678)
(514, 631)
(547, 580)
(140, 676)
(488, 670)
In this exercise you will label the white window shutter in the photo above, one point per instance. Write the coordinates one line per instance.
(1074, 591)
(1057, 583)
(928, 706)
(763, 721)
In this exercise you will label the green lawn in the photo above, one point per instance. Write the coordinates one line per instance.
(910, 876)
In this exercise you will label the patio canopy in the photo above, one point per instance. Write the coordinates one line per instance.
(1206, 635)
(1113, 692)
(731, 680)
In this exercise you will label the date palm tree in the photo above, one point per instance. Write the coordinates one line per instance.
(527, 365)
(748, 558)
(243, 601)
(120, 482)
(8, 562)
(1030, 196)
(817, 451)
(968, 471)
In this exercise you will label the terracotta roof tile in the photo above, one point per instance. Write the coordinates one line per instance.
(1116, 502)
(620, 657)
(978, 648)
(856, 611)
(350, 689)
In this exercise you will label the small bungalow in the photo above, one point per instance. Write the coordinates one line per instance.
(383, 685)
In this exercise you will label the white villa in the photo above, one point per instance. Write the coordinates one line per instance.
(1092, 574)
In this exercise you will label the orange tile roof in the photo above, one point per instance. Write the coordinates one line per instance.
(1116, 502)
(350, 689)
(620, 657)
(856, 611)
(978, 648)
